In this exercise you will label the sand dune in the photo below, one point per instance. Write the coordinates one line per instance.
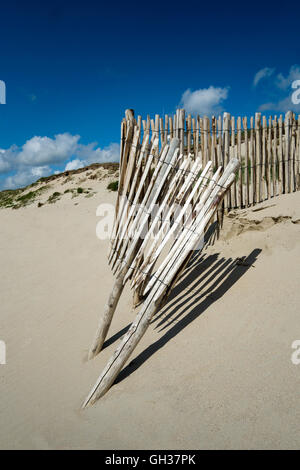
(215, 369)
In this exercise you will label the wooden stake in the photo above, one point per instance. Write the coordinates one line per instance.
(139, 326)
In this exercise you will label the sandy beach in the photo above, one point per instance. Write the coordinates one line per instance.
(214, 370)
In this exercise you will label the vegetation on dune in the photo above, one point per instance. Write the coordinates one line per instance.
(68, 179)
(8, 196)
(54, 197)
(29, 198)
(16, 198)
(113, 186)
(69, 174)
(22, 197)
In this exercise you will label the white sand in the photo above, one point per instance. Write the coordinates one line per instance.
(217, 373)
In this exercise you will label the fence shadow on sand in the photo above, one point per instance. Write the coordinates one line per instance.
(205, 280)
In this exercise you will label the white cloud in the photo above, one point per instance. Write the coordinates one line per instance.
(74, 164)
(38, 151)
(25, 177)
(263, 73)
(89, 154)
(282, 91)
(33, 159)
(44, 150)
(281, 106)
(7, 159)
(285, 83)
(205, 101)
(4, 162)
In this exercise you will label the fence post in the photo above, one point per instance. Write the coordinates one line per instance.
(269, 159)
(264, 191)
(232, 154)
(189, 133)
(226, 148)
(258, 155)
(293, 154)
(239, 153)
(182, 127)
(287, 123)
(246, 171)
(298, 154)
(270, 149)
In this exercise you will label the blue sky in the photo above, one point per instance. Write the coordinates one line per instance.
(72, 68)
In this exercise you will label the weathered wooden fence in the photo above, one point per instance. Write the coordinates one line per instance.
(176, 164)
(268, 149)
(166, 201)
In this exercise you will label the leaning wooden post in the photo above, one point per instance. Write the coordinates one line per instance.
(107, 315)
(114, 297)
(129, 126)
(190, 241)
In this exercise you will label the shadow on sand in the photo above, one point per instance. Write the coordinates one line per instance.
(205, 280)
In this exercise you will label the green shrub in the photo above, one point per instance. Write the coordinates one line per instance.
(113, 186)
(27, 197)
(15, 199)
(54, 197)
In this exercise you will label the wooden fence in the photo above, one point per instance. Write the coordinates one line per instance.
(165, 205)
(268, 149)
